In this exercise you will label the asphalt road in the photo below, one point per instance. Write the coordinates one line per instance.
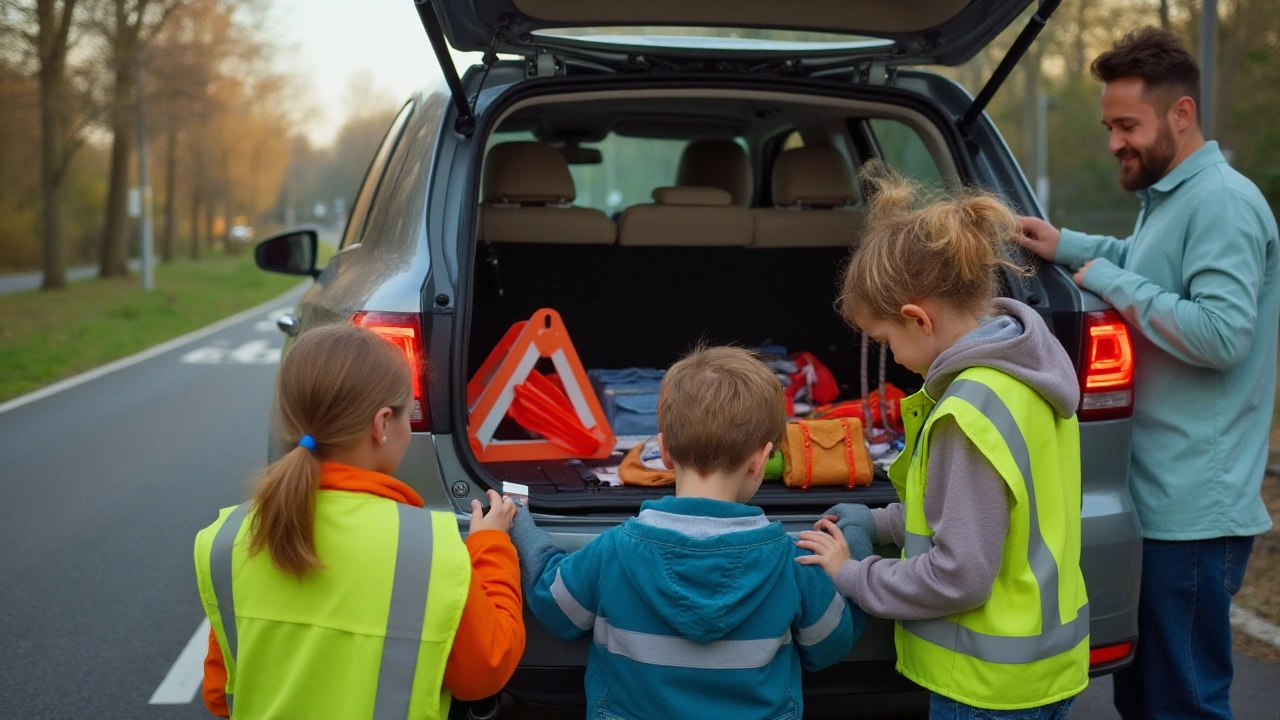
(102, 489)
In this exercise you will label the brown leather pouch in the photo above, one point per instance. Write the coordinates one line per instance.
(825, 453)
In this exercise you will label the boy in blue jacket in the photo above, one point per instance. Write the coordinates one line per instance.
(696, 607)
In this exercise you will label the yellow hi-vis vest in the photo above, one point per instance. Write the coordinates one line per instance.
(1028, 644)
(365, 636)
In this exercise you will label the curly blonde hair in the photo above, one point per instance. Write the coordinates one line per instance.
(923, 243)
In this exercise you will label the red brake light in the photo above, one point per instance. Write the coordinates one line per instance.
(405, 332)
(1106, 375)
(1109, 653)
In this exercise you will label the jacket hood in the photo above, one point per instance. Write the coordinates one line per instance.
(1016, 341)
(714, 562)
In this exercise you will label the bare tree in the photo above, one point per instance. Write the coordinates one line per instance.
(131, 27)
(47, 29)
(53, 37)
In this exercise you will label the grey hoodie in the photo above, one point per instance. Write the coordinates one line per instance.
(966, 502)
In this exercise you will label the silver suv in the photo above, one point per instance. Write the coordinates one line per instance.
(656, 176)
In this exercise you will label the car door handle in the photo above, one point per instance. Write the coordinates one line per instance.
(288, 325)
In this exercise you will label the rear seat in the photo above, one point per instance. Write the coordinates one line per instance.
(720, 164)
(686, 217)
(815, 197)
(528, 196)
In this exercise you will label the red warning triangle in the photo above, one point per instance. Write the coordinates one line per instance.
(571, 422)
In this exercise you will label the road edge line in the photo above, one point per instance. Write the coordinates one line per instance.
(181, 683)
(143, 355)
(1255, 627)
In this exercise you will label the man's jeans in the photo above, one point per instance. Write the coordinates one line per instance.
(1182, 668)
(943, 708)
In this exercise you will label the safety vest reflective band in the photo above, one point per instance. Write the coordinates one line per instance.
(1008, 653)
(393, 670)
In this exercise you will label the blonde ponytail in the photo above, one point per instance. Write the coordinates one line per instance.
(283, 524)
(926, 244)
(330, 385)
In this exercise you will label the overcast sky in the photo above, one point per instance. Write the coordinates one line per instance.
(327, 42)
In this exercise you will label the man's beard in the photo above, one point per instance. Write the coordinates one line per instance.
(1153, 161)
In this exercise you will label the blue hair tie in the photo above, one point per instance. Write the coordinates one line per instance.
(308, 442)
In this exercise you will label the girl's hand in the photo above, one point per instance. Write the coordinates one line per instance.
(828, 546)
(501, 512)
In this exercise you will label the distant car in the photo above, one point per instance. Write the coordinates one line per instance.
(241, 234)
(732, 163)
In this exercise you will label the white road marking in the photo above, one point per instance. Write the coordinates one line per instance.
(183, 680)
(136, 358)
(269, 325)
(254, 352)
(1255, 626)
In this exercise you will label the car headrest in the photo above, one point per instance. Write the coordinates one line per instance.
(815, 176)
(527, 172)
(700, 196)
(720, 164)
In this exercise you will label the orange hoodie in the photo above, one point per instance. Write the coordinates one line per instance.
(490, 637)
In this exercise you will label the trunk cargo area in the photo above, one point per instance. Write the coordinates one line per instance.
(629, 307)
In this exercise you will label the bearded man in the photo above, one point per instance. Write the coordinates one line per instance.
(1197, 282)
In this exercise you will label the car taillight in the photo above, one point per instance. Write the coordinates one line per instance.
(405, 332)
(1106, 367)
(1109, 653)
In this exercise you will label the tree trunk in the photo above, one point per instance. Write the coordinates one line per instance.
(52, 158)
(170, 197)
(208, 225)
(1030, 98)
(196, 206)
(115, 244)
(1078, 59)
(53, 30)
(1164, 14)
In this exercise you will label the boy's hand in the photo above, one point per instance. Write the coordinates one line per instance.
(501, 512)
(828, 546)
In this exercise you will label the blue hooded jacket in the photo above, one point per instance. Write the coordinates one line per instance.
(696, 607)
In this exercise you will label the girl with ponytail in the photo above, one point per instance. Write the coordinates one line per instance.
(317, 588)
(990, 477)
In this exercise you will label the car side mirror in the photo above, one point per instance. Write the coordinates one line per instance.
(289, 253)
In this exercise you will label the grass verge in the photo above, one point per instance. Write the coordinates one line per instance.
(48, 336)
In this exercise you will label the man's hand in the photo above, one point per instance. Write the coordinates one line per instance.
(1038, 236)
(1079, 276)
(829, 548)
(501, 512)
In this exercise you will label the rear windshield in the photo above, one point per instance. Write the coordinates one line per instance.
(717, 37)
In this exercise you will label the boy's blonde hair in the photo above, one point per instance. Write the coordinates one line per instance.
(926, 244)
(717, 406)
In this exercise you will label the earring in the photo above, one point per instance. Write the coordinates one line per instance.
(384, 438)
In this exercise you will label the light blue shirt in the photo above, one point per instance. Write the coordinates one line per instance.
(1198, 281)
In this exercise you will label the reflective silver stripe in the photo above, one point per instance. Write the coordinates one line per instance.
(674, 651)
(220, 574)
(1054, 637)
(1002, 648)
(405, 617)
(825, 625)
(917, 544)
(581, 617)
(697, 526)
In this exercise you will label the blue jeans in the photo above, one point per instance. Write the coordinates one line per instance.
(1182, 667)
(944, 708)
